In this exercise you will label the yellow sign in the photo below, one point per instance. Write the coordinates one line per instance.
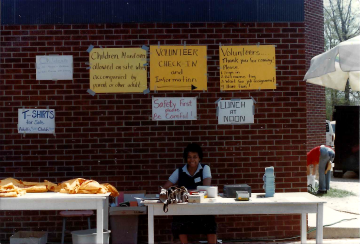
(115, 70)
(247, 67)
(178, 68)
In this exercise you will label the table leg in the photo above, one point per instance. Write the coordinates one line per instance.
(319, 223)
(106, 213)
(303, 228)
(150, 224)
(100, 221)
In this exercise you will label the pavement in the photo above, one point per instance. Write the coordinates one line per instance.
(341, 215)
(337, 225)
(328, 241)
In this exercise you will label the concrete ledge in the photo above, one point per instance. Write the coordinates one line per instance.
(337, 233)
(344, 229)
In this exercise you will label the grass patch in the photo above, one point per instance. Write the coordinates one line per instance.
(338, 193)
(335, 193)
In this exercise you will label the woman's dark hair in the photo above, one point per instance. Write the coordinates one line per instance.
(193, 147)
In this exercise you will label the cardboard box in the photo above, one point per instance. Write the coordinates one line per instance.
(196, 198)
(128, 196)
(29, 237)
(124, 229)
(127, 211)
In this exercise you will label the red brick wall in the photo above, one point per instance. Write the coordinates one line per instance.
(315, 95)
(110, 138)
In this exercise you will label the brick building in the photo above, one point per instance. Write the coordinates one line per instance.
(110, 137)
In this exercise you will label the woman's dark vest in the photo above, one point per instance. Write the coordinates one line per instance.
(189, 181)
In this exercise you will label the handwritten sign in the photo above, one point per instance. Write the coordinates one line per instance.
(236, 111)
(247, 67)
(54, 67)
(36, 121)
(178, 68)
(115, 70)
(174, 108)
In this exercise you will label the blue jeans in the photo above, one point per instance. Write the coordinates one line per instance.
(326, 155)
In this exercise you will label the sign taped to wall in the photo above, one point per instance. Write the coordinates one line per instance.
(247, 67)
(117, 70)
(174, 108)
(36, 121)
(55, 67)
(236, 111)
(178, 68)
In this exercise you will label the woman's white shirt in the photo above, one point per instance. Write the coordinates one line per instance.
(174, 177)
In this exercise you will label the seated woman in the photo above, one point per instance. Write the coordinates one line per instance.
(191, 175)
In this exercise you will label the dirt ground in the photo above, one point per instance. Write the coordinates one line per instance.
(349, 182)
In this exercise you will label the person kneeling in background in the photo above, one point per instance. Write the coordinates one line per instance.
(320, 158)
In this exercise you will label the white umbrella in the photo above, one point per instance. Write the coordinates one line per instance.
(333, 68)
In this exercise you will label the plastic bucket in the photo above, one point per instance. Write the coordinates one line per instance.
(88, 236)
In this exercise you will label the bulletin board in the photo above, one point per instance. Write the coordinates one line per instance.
(174, 108)
(117, 70)
(247, 67)
(236, 111)
(54, 67)
(36, 121)
(178, 68)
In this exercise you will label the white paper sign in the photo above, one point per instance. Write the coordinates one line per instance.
(54, 67)
(174, 108)
(236, 111)
(36, 121)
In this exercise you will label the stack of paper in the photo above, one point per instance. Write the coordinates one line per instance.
(269, 182)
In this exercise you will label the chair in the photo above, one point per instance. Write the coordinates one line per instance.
(68, 214)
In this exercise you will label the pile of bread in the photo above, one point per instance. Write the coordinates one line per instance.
(11, 187)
